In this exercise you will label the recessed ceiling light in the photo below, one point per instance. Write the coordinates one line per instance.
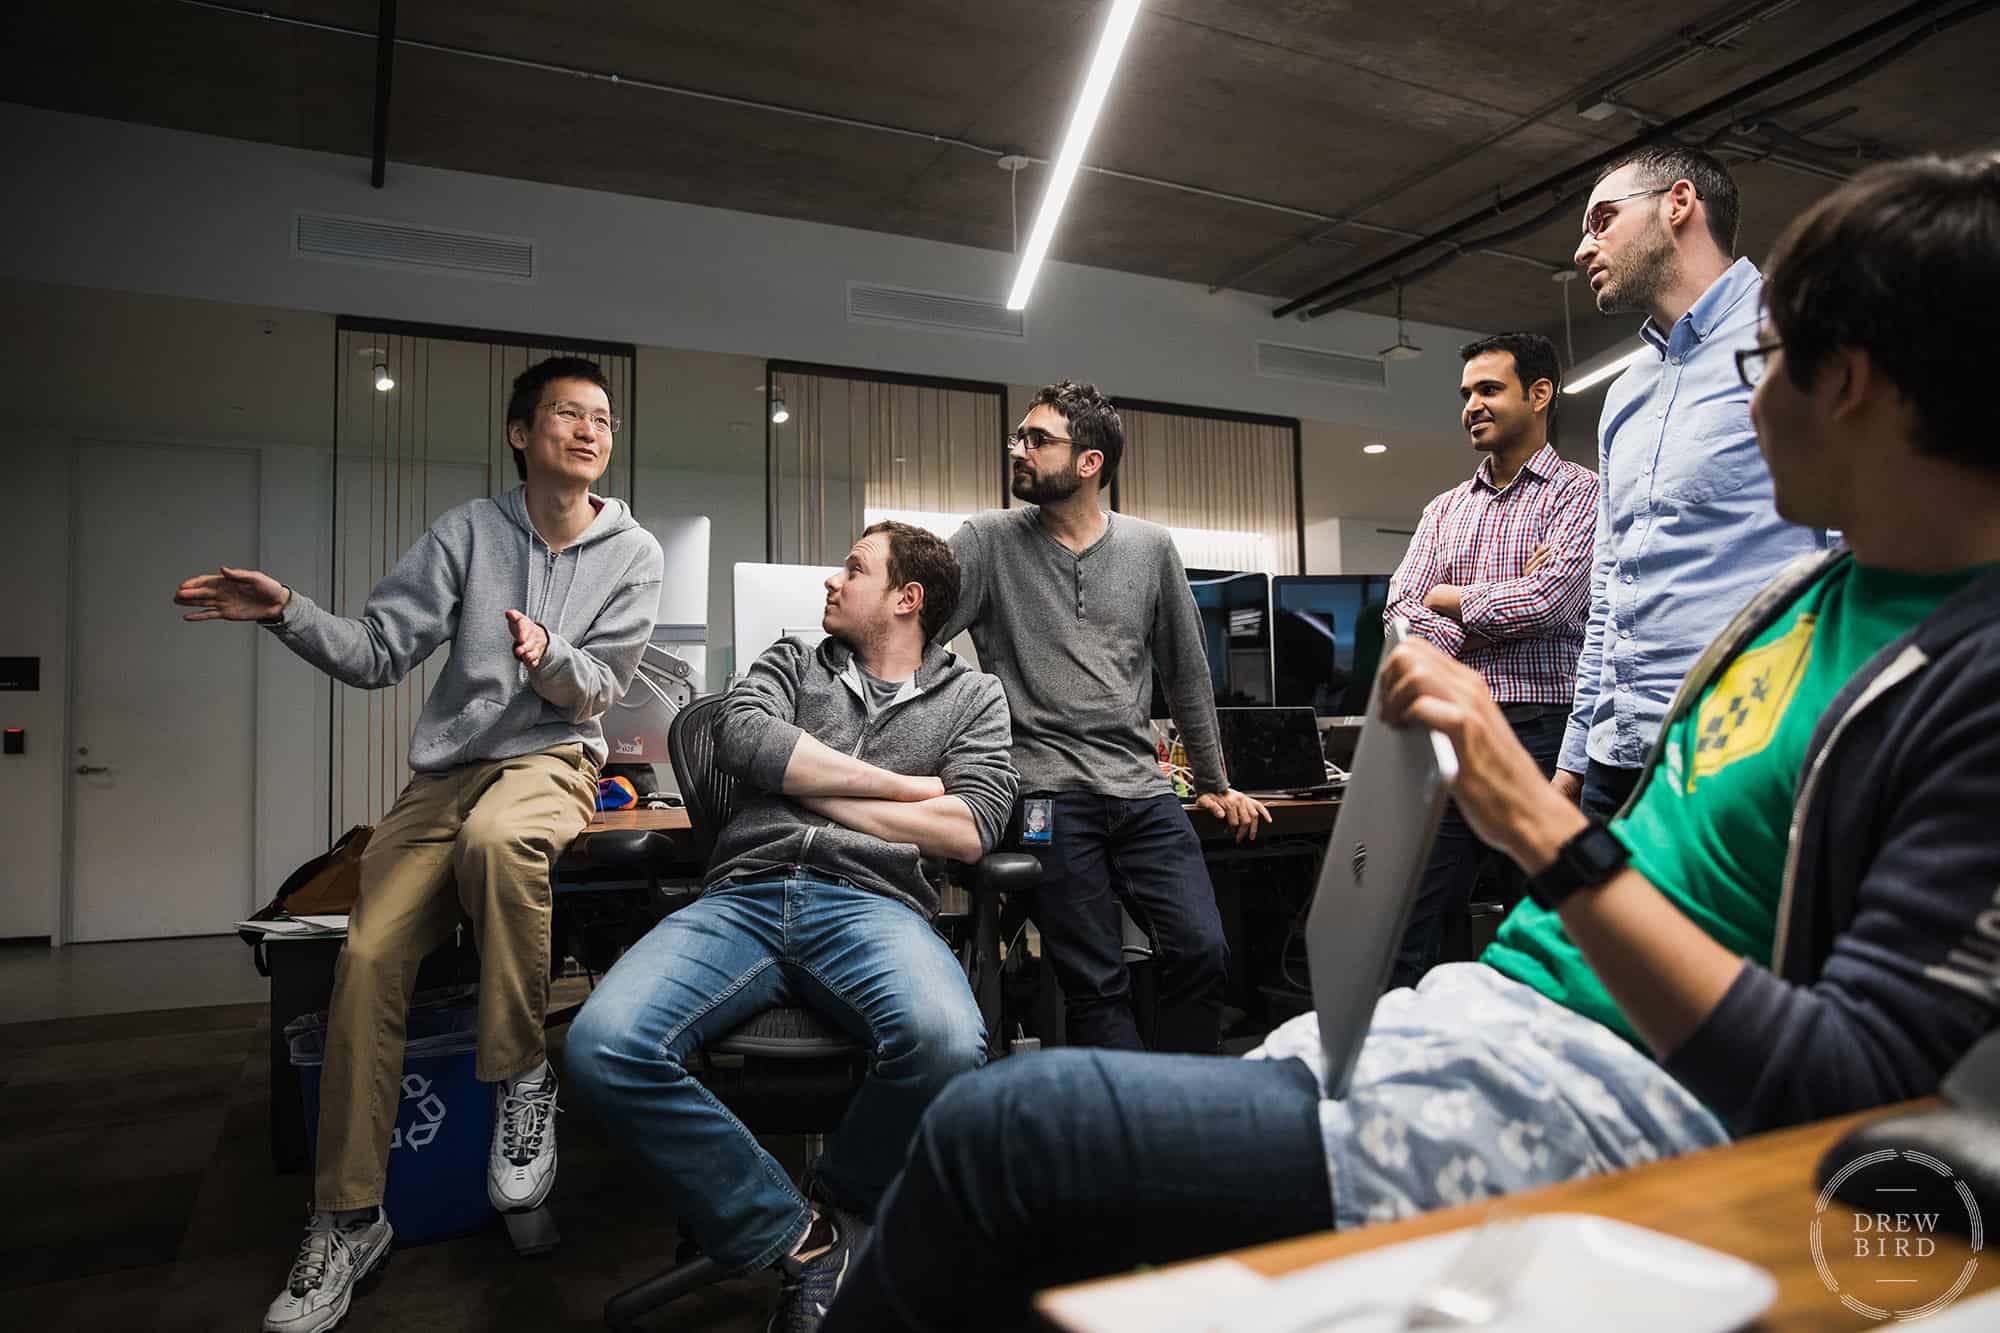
(1375, 447)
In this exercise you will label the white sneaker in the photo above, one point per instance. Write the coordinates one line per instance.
(332, 1262)
(521, 1166)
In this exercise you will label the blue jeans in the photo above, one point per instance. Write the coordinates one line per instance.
(1456, 855)
(867, 962)
(1143, 853)
(1068, 1164)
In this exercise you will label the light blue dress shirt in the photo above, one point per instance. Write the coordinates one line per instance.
(1686, 527)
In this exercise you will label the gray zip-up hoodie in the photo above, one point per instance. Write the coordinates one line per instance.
(948, 721)
(597, 598)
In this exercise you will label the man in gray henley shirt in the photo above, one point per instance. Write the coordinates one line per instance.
(1074, 609)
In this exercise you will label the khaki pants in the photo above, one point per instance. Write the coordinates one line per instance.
(480, 841)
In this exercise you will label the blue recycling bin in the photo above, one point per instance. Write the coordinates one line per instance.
(444, 1120)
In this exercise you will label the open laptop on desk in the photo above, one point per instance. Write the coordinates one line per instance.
(1368, 881)
(1272, 751)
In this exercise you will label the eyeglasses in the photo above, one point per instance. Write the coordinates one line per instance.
(1750, 362)
(1032, 438)
(1599, 216)
(571, 415)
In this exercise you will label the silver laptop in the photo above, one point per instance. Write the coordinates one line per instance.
(1368, 882)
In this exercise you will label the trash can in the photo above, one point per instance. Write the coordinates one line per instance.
(444, 1118)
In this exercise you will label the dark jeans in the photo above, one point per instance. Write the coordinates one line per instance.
(1446, 889)
(1144, 854)
(1055, 1167)
(1605, 789)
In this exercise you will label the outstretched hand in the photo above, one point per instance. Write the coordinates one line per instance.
(531, 641)
(232, 594)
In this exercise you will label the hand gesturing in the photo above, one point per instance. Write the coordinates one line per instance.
(232, 594)
(531, 641)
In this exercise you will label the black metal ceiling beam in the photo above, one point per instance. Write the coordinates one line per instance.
(385, 68)
(1776, 78)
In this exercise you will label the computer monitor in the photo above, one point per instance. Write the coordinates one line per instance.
(773, 601)
(1326, 632)
(1235, 611)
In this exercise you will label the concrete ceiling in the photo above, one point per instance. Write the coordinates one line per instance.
(1314, 105)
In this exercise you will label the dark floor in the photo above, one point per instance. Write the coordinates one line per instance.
(141, 1195)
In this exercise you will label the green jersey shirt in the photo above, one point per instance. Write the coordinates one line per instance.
(1710, 827)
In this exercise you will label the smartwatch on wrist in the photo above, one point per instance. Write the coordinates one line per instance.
(1586, 861)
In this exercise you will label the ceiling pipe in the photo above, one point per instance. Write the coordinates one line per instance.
(385, 67)
(1776, 78)
(1722, 139)
(1694, 40)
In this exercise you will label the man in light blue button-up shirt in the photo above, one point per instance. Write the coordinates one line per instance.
(1686, 530)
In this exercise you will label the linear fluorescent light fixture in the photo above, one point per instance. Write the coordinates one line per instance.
(1597, 369)
(1104, 64)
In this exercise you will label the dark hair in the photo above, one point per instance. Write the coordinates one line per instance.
(918, 555)
(1534, 359)
(1903, 263)
(1660, 166)
(1093, 421)
(528, 386)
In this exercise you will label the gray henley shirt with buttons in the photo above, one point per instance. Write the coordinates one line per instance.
(1075, 639)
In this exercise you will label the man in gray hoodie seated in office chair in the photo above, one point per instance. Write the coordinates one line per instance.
(860, 756)
(547, 595)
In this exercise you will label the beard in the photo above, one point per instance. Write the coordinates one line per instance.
(1647, 268)
(1049, 488)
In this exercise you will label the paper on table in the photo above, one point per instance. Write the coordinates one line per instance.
(325, 922)
(1174, 1298)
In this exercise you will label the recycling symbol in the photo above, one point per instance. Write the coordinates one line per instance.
(430, 1111)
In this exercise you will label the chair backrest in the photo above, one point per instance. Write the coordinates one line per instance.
(712, 795)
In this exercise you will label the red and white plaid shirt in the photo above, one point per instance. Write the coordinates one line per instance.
(1521, 631)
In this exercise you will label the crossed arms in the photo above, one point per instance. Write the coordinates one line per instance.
(958, 813)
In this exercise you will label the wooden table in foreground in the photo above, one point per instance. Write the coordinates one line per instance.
(1753, 1199)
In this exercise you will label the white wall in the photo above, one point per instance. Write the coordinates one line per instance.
(154, 210)
(151, 370)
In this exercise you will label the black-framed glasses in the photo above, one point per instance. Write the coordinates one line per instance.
(1750, 362)
(572, 415)
(1032, 438)
(1599, 216)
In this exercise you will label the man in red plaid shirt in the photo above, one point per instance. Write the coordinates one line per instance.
(1498, 575)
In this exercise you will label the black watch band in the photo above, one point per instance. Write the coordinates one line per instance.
(1586, 861)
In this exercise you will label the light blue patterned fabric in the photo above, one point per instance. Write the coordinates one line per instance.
(1472, 1085)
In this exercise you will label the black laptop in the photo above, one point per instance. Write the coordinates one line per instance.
(1273, 751)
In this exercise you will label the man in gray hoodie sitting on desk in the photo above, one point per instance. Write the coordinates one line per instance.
(548, 595)
(861, 755)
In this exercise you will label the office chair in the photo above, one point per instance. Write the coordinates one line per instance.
(788, 1070)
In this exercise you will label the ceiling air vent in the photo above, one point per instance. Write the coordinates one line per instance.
(325, 236)
(1311, 363)
(934, 310)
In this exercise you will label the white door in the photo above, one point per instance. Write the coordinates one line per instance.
(162, 713)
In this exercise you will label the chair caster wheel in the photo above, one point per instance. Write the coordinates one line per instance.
(534, 1231)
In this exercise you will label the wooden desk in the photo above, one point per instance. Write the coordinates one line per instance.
(574, 862)
(1753, 1199)
(657, 821)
